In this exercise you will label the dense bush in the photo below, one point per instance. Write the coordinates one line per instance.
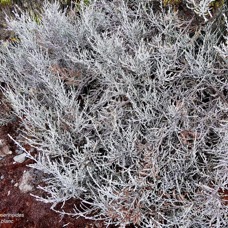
(127, 107)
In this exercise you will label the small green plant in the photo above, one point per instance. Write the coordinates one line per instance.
(35, 17)
(171, 2)
(5, 2)
(78, 4)
(216, 4)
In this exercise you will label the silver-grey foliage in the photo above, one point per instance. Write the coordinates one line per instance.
(127, 111)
